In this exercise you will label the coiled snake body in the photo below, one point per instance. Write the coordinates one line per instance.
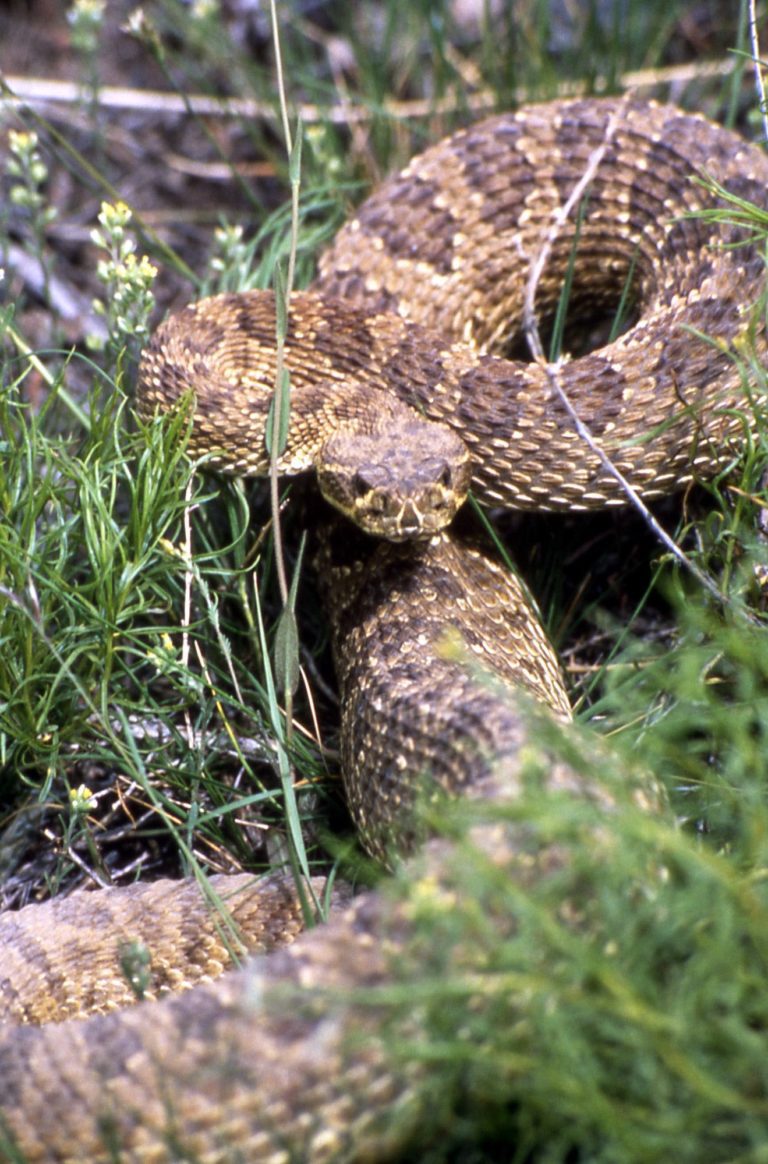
(418, 320)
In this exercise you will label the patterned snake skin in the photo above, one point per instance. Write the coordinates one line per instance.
(439, 272)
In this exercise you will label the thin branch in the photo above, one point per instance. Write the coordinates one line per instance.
(530, 325)
(17, 92)
(553, 371)
(754, 41)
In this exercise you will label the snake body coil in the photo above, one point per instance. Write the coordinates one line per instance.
(421, 313)
(434, 283)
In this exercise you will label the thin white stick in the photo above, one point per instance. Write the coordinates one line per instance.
(754, 40)
(16, 92)
(530, 326)
(552, 371)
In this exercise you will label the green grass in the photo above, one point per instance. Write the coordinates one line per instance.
(138, 599)
(624, 1017)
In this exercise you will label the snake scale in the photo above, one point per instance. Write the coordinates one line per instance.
(416, 325)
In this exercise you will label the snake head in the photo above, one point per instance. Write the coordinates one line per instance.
(405, 479)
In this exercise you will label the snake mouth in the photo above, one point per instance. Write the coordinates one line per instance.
(400, 519)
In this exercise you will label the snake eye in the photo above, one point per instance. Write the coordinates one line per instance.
(360, 485)
(445, 475)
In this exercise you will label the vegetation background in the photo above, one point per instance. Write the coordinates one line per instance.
(143, 164)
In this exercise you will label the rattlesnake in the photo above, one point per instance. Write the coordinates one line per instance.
(436, 272)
